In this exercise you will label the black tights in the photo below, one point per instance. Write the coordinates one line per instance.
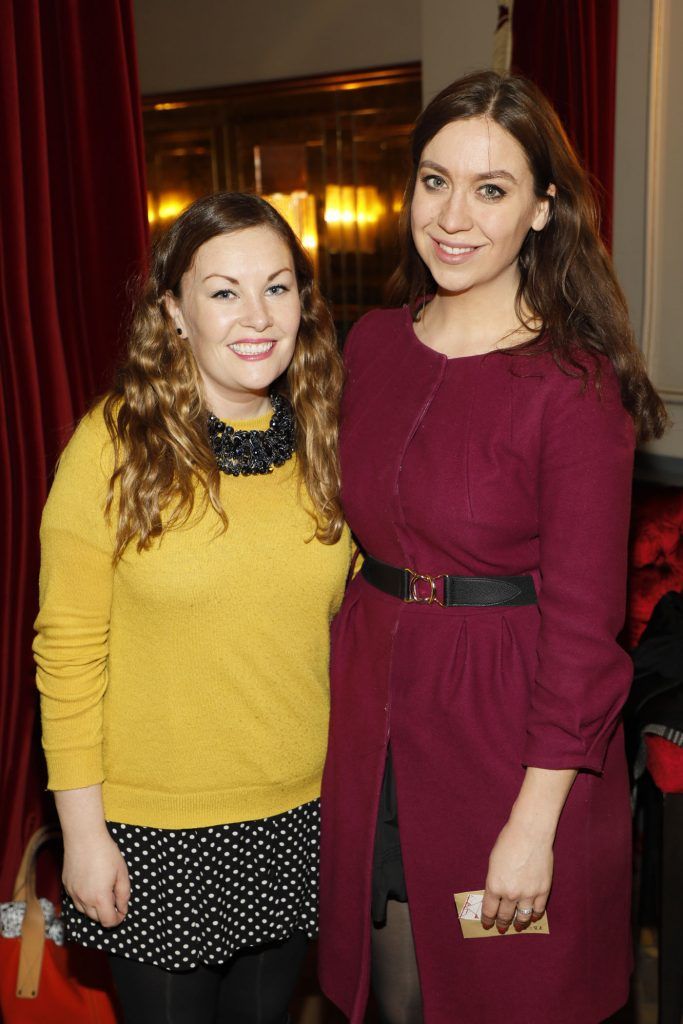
(253, 988)
(395, 981)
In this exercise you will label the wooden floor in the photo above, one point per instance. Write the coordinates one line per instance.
(311, 1007)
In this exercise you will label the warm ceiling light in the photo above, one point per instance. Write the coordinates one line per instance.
(167, 206)
(298, 209)
(170, 207)
(351, 215)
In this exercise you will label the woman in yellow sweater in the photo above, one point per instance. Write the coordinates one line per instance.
(193, 554)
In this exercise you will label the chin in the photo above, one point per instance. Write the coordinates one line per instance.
(259, 385)
(454, 283)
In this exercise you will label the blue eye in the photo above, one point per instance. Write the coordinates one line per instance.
(490, 191)
(277, 289)
(223, 293)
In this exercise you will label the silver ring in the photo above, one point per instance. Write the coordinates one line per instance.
(525, 910)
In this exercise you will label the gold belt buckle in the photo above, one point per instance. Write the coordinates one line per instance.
(420, 577)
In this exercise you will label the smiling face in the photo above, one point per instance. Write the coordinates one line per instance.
(239, 309)
(473, 204)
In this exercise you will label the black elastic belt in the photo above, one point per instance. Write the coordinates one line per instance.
(448, 591)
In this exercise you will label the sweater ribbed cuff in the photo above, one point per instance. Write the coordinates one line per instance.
(74, 769)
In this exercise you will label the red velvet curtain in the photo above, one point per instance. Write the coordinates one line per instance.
(72, 230)
(569, 48)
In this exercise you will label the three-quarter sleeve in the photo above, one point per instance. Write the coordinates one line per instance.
(71, 642)
(583, 676)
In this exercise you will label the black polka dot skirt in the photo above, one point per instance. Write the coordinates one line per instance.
(198, 896)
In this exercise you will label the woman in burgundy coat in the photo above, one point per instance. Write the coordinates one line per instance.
(487, 443)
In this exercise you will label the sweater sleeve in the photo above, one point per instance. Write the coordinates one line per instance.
(583, 676)
(72, 628)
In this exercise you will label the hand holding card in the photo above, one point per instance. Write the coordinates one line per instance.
(468, 905)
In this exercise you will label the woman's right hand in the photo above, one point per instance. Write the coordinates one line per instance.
(95, 874)
(96, 878)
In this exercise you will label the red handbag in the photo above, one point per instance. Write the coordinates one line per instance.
(41, 980)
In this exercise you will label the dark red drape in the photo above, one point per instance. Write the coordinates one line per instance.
(72, 231)
(569, 48)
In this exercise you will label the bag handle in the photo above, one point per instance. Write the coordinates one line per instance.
(33, 927)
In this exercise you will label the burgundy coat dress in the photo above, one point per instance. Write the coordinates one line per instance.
(482, 465)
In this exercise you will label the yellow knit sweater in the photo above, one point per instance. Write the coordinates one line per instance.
(191, 679)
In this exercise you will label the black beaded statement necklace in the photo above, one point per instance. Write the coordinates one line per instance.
(254, 452)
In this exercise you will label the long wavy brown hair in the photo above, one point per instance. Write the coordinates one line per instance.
(156, 412)
(567, 282)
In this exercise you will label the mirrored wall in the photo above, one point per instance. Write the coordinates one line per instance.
(331, 153)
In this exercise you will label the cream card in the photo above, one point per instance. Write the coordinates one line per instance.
(468, 905)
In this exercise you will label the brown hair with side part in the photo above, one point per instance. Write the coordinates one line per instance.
(567, 282)
(156, 414)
